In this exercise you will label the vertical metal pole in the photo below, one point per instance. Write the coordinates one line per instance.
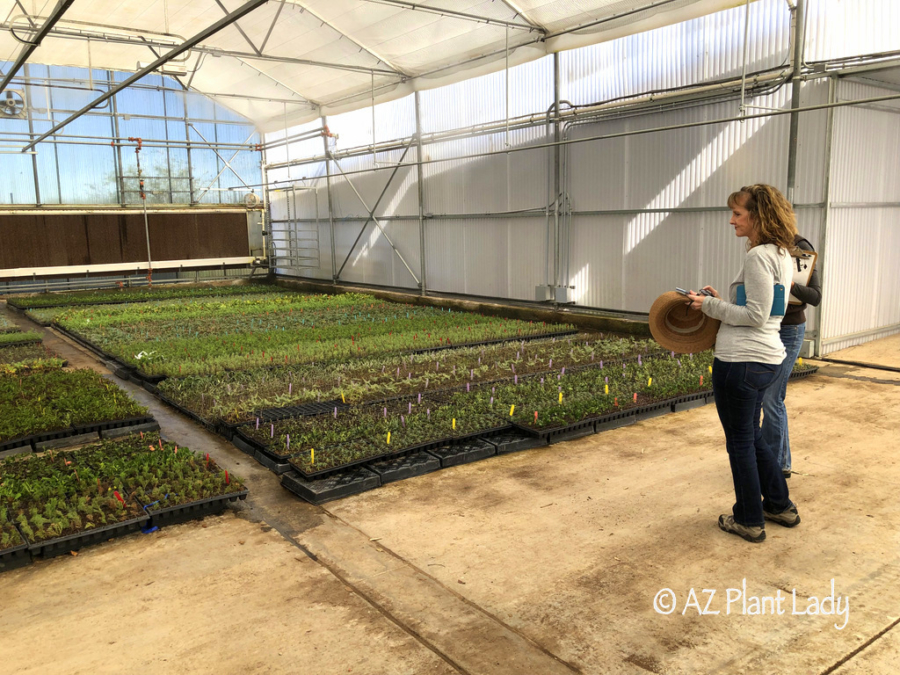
(420, 183)
(798, 19)
(746, 47)
(334, 274)
(187, 138)
(120, 197)
(826, 188)
(55, 145)
(168, 153)
(556, 249)
(114, 111)
(34, 166)
(267, 216)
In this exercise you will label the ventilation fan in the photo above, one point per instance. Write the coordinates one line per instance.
(12, 103)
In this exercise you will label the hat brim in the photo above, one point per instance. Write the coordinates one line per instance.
(679, 328)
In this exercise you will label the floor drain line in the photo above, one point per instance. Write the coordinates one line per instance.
(863, 646)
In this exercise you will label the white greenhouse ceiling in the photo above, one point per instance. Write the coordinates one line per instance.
(299, 59)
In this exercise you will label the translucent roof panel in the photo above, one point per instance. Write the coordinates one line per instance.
(299, 59)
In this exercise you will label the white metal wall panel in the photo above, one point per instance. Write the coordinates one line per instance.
(698, 166)
(483, 99)
(506, 182)
(394, 119)
(597, 245)
(842, 28)
(695, 51)
(810, 144)
(496, 257)
(866, 146)
(401, 198)
(373, 261)
(861, 278)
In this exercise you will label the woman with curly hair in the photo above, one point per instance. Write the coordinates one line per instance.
(748, 355)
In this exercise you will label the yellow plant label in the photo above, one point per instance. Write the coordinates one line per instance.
(343, 400)
(512, 409)
(710, 370)
(649, 381)
(560, 397)
(312, 455)
(454, 424)
(389, 438)
(606, 389)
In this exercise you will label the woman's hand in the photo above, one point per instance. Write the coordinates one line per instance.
(696, 300)
(712, 291)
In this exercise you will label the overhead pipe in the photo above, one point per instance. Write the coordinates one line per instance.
(637, 132)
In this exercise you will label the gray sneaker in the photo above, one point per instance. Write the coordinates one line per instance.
(789, 517)
(755, 535)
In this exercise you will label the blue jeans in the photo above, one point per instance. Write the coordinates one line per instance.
(775, 421)
(739, 390)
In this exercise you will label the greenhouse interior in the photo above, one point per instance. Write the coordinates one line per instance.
(445, 332)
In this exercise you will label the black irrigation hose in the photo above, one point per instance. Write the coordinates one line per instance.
(860, 364)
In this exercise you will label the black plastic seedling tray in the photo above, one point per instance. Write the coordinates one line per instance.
(74, 542)
(463, 453)
(336, 486)
(22, 343)
(398, 468)
(182, 513)
(690, 401)
(514, 441)
(15, 557)
(561, 433)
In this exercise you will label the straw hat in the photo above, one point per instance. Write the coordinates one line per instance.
(679, 328)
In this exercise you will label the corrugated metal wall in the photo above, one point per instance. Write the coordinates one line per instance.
(862, 277)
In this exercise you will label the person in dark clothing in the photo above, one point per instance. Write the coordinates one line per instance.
(793, 329)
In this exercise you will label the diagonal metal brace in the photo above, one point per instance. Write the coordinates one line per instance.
(372, 212)
(226, 162)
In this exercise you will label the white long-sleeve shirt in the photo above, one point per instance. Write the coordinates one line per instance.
(750, 332)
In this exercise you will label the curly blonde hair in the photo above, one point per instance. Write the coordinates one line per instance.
(771, 214)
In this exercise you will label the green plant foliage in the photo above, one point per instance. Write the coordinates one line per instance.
(56, 399)
(232, 396)
(544, 400)
(82, 298)
(211, 337)
(25, 358)
(8, 339)
(7, 326)
(57, 494)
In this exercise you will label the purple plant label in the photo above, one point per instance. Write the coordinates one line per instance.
(492, 401)
(542, 380)
(640, 362)
(428, 413)
(288, 441)
(420, 397)
(335, 412)
(290, 388)
(272, 432)
(601, 365)
(551, 363)
(606, 379)
(467, 386)
(563, 370)
(257, 424)
(516, 378)
(410, 408)
(385, 413)
(403, 421)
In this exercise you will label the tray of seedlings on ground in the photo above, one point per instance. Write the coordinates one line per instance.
(61, 501)
(236, 334)
(7, 326)
(127, 295)
(802, 369)
(23, 359)
(270, 393)
(13, 339)
(42, 405)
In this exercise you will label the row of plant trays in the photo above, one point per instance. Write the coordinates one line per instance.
(76, 435)
(126, 371)
(23, 554)
(365, 474)
(352, 480)
(21, 343)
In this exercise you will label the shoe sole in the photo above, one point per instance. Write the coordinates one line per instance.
(753, 540)
(774, 519)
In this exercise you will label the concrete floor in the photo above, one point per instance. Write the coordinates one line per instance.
(546, 561)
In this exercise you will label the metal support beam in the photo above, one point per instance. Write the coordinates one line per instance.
(334, 272)
(823, 236)
(520, 12)
(240, 30)
(395, 70)
(378, 224)
(224, 161)
(27, 50)
(556, 168)
(427, 9)
(798, 18)
(372, 211)
(265, 41)
(420, 186)
(34, 166)
(224, 22)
